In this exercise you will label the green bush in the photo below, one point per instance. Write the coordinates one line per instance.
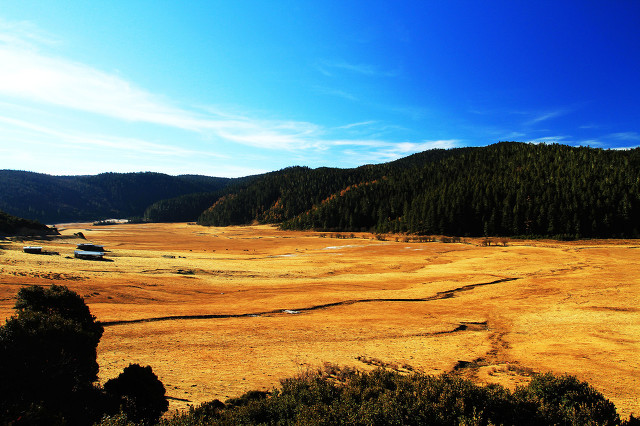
(48, 358)
(565, 400)
(48, 367)
(140, 394)
(381, 397)
(58, 300)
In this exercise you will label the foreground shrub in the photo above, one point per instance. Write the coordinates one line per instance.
(48, 359)
(48, 367)
(140, 394)
(381, 397)
(58, 300)
(565, 400)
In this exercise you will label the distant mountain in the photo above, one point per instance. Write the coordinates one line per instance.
(505, 189)
(12, 225)
(53, 199)
(283, 195)
(188, 207)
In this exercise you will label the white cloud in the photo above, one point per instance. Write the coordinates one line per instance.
(33, 80)
(32, 76)
(327, 67)
(409, 147)
(625, 136)
(549, 139)
(590, 142)
(360, 124)
(76, 140)
(24, 34)
(382, 151)
(337, 93)
(28, 75)
(514, 136)
(546, 116)
(625, 148)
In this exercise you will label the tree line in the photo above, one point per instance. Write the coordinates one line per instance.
(55, 199)
(505, 189)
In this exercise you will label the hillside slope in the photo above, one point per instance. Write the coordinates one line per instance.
(505, 189)
(12, 225)
(52, 199)
(508, 189)
(283, 195)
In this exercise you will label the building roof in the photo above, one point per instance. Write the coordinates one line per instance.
(88, 253)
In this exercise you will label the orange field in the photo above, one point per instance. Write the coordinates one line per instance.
(219, 311)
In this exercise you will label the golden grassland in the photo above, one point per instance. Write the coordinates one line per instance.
(219, 311)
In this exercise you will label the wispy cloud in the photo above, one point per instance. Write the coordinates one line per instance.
(540, 117)
(330, 67)
(549, 139)
(625, 148)
(589, 126)
(382, 151)
(605, 141)
(388, 152)
(33, 79)
(413, 112)
(590, 142)
(24, 34)
(408, 147)
(360, 124)
(337, 93)
(77, 140)
(625, 136)
(513, 136)
(29, 75)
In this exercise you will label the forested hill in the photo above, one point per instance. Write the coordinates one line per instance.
(12, 225)
(53, 199)
(187, 208)
(282, 195)
(508, 188)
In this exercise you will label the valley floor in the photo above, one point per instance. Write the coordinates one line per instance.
(219, 311)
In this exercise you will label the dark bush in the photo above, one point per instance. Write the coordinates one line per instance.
(58, 300)
(381, 397)
(47, 364)
(565, 400)
(140, 393)
(632, 421)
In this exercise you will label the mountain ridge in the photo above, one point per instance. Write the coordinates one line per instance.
(503, 189)
(54, 199)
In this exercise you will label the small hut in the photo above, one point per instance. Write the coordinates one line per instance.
(88, 255)
(88, 251)
(90, 247)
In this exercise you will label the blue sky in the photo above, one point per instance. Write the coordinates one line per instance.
(232, 88)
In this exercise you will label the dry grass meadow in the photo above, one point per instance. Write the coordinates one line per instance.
(219, 311)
